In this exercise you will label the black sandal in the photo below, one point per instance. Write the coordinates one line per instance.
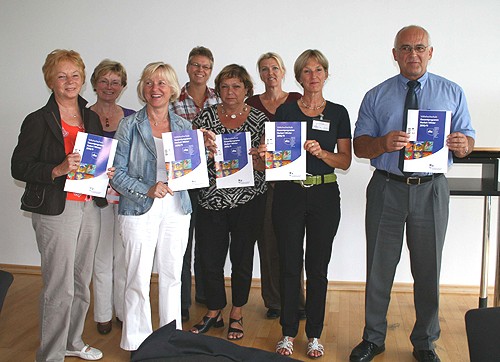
(235, 330)
(208, 323)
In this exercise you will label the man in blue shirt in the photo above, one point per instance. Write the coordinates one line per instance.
(418, 201)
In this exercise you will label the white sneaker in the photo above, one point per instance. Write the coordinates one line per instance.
(93, 354)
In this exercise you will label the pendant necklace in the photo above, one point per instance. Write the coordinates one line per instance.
(156, 122)
(69, 114)
(108, 117)
(313, 108)
(233, 116)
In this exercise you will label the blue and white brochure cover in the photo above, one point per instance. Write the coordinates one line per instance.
(185, 160)
(426, 150)
(233, 163)
(97, 154)
(285, 156)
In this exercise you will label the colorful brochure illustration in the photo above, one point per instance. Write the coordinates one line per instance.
(233, 164)
(97, 154)
(185, 160)
(427, 151)
(285, 156)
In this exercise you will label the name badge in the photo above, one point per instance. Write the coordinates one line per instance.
(321, 124)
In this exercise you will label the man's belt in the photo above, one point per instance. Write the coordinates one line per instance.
(412, 180)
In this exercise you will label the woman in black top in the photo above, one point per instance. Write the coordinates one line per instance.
(312, 205)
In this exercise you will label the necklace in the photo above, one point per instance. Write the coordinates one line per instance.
(314, 109)
(110, 116)
(233, 116)
(69, 114)
(156, 122)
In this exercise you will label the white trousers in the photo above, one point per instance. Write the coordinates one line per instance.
(164, 229)
(109, 268)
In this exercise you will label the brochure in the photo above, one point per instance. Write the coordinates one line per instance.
(285, 156)
(233, 164)
(97, 154)
(426, 150)
(185, 160)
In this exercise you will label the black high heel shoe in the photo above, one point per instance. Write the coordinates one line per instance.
(209, 323)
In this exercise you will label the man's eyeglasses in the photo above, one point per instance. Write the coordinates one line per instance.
(205, 67)
(406, 49)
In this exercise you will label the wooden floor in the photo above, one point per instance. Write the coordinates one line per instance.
(342, 331)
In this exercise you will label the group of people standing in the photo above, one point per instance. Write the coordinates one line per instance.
(145, 219)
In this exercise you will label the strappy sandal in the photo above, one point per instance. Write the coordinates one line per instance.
(209, 322)
(315, 346)
(287, 344)
(235, 330)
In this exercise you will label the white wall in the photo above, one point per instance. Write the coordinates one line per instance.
(356, 36)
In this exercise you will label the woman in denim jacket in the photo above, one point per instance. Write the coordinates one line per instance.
(152, 217)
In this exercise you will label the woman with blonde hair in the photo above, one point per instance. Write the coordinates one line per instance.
(154, 220)
(272, 72)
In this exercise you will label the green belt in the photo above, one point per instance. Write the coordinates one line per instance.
(317, 180)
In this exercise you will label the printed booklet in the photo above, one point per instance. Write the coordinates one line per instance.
(97, 154)
(285, 156)
(185, 160)
(427, 151)
(233, 164)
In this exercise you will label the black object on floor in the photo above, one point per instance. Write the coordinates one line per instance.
(168, 344)
(483, 329)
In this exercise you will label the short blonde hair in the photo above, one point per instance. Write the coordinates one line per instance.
(108, 66)
(303, 58)
(167, 72)
(271, 55)
(57, 56)
(235, 71)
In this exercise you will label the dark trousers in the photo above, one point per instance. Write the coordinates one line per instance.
(235, 230)
(269, 260)
(186, 266)
(423, 209)
(315, 212)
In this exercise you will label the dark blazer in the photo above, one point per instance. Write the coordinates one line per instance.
(40, 148)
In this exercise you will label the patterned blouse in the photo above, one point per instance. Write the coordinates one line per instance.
(211, 197)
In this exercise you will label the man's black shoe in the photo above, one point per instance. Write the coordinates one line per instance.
(425, 355)
(365, 351)
(273, 313)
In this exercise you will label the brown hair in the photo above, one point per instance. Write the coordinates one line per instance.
(235, 71)
(303, 58)
(107, 66)
(202, 51)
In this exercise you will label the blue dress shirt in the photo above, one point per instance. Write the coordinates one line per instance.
(383, 106)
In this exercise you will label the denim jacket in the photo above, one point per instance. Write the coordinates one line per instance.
(135, 162)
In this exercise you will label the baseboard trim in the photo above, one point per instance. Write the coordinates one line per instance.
(332, 285)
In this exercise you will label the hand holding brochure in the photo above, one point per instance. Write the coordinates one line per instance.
(97, 154)
(233, 164)
(426, 150)
(285, 156)
(185, 160)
